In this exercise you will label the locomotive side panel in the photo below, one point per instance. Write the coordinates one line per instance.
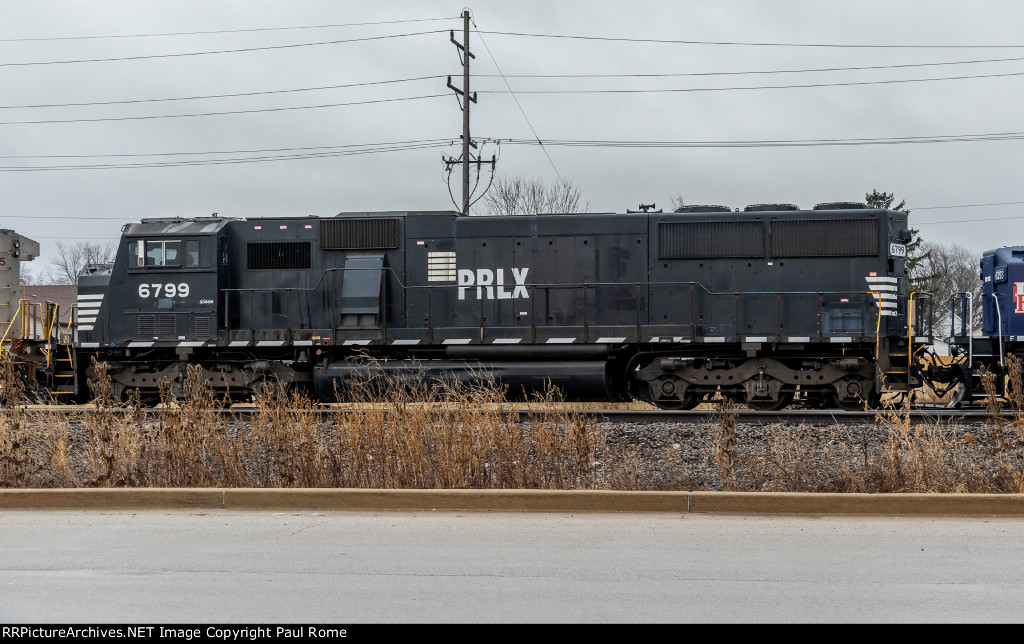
(768, 302)
(1002, 277)
(771, 277)
(527, 280)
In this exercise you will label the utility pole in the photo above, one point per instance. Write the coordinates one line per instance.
(467, 98)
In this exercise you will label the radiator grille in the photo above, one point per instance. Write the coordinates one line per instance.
(710, 239)
(824, 238)
(377, 233)
(278, 255)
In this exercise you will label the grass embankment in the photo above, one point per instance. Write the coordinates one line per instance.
(439, 439)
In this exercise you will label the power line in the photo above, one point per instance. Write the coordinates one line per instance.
(764, 71)
(225, 31)
(758, 87)
(232, 161)
(541, 76)
(220, 51)
(972, 205)
(76, 237)
(268, 109)
(996, 136)
(236, 95)
(964, 221)
(1002, 136)
(74, 217)
(246, 151)
(748, 44)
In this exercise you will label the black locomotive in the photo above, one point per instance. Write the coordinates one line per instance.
(764, 306)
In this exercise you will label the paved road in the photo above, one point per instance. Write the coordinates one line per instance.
(262, 567)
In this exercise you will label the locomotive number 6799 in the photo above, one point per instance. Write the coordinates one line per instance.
(164, 290)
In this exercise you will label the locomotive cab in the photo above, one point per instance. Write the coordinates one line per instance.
(170, 290)
(155, 306)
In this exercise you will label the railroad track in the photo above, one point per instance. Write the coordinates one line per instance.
(642, 416)
(797, 417)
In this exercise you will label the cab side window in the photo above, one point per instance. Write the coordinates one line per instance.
(192, 252)
(154, 253)
(135, 257)
(160, 253)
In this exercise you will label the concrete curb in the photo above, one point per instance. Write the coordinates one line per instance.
(570, 501)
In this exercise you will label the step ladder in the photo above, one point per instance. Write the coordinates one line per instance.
(61, 369)
(896, 376)
(897, 361)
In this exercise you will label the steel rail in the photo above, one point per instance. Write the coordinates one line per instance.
(638, 416)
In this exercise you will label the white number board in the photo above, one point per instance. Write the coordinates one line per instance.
(897, 250)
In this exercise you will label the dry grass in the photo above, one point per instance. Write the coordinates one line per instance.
(382, 434)
(398, 433)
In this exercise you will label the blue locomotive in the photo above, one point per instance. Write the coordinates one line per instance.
(976, 352)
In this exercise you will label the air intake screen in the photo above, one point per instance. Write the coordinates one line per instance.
(825, 238)
(278, 255)
(202, 328)
(166, 324)
(147, 326)
(152, 326)
(710, 239)
(359, 234)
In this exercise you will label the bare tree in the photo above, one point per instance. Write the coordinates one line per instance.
(28, 276)
(678, 201)
(521, 196)
(73, 256)
(953, 269)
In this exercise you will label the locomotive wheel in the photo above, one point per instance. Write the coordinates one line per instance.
(862, 395)
(785, 398)
(689, 401)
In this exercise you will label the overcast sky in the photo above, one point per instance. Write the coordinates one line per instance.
(643, 72)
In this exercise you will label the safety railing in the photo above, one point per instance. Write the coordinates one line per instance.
(640, 306)
(38, 321)
(965, 303)
(56, 336)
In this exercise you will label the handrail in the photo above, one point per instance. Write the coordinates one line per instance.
(245, 297)
(878, 326)
(578, 285)
(9, 325)
(966, 301)
(970, 328)
(48, 319)
(910, 326)
(999, 327)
